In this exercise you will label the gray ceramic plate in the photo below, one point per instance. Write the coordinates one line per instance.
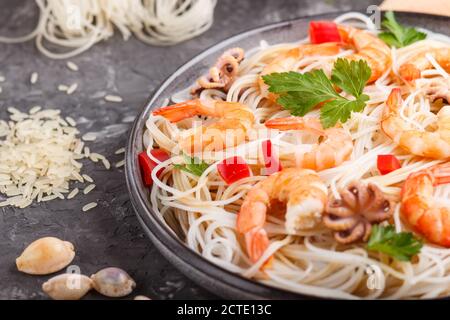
(200, 270)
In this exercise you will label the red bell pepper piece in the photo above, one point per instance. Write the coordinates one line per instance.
(271, 160)
(387, 163)
(323, 31)
(147, 165)
(233, 169)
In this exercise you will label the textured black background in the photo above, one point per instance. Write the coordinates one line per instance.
(109, 235)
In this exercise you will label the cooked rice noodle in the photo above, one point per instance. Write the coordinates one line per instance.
(202, 210)
(77, 25)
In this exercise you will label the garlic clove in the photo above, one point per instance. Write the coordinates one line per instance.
(68, 286)
(113, 282)
(45, 255)
(141, 298)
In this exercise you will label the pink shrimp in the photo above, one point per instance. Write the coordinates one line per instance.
(421, 210)
(412, 69)
(367, 47)
(230, 130)
(432, 144)
(331, 152)
(300, 193)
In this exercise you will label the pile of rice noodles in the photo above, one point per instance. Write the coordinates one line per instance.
(76, 25)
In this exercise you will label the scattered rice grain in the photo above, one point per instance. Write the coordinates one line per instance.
(88, 178)
(106, 163)
(34, 77)
(90, 136)
(35, 109)
(113, 98)
(89, 188)
(96, 156)
(63, 87)
(89, 206)
(71, 121)
(119, 151)
(77, 176)
(49, 198)
(72, 88)
(121, 163)
(72, 66)
(73, 193)
(13, 110)
(87, 152)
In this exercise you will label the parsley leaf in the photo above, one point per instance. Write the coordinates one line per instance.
(341, 110)
(397, 35)
(401, 246)
(193, 165)
(351, 76)
(305, 91)
(300, 93)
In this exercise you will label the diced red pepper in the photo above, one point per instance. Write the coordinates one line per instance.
(387, 163)
(147, 165)
(271, 160)
(233, 169)
(323, 31)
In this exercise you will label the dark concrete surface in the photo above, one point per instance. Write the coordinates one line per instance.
(109, 235)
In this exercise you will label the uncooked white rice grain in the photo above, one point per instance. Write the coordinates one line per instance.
(58, 194)
(4, 203)
(2, 79)
(79, 147)
(76, 164)
(89, 206)
(119, 151)
(89, 188)
(13, 110)
(72, 66)
(121, 163)
(77, 176)
(112, 98)
(73, 193)
(90, 136)
(63, 87)
(72, 88)
(106, 163)
(93, 157)
(96, 156)
(49, 198)
(87, 152)
(1, 89)
(71, 121)
(88, 178)
(34, 77)
(35, 109)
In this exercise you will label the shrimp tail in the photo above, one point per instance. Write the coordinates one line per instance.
(441, 174)
(394, 99)
(182, 110)
(257, 242)
(312, 125)
(409, 72)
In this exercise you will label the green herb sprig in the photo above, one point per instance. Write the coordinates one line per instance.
(397, 35)
(401, 246)
(193, 166)
(300, 93)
